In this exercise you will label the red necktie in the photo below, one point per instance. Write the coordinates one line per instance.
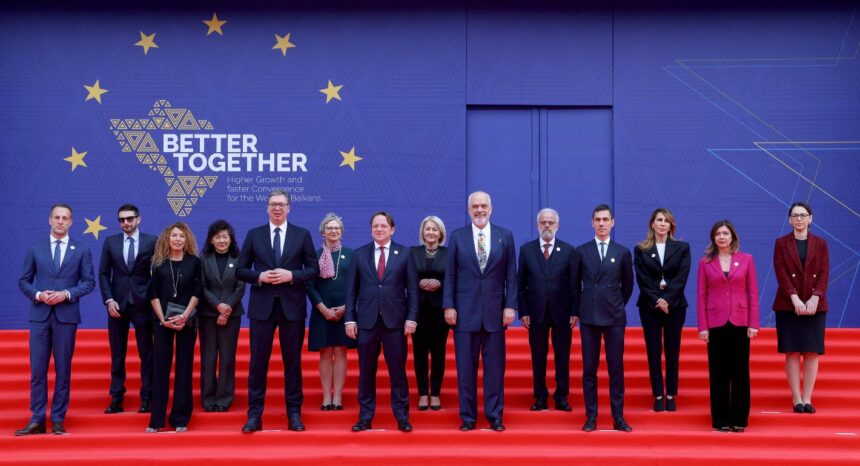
(546, 250)
(380, 266)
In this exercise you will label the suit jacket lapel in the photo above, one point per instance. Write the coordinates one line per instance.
(469, 239)
(70, 249)
(811, 243)
(211, 266)
(393, 257)
(791, 245)
(671, 248)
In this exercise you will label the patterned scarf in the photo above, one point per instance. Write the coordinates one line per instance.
(326, 264)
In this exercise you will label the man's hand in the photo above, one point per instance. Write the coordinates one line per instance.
(409, 327)
(280, 276)
(573, 321)
(451, 316)
(508, 316)
(526, 320)
(352, 330)
(113, 309)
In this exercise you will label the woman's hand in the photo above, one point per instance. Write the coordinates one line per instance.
(752, 332)
(703, 335)
(429, 284)
(799, 306)
(222, 320)
(812, 305)
(663, 305)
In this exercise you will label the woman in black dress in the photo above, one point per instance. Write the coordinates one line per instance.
(328, 297)
(176, 283)
(801, 262)
(431, 335)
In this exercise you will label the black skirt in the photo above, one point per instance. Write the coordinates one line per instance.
(800, 334)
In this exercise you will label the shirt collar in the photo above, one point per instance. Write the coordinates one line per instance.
(476, 230)
(136, 235)
(551, 243)
(387, 245)
(272, 227)
(64, 239)
(597, 241)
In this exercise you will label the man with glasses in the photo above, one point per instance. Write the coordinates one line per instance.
(124, 279)
(278, 260)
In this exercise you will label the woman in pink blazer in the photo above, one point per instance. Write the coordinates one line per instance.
(802, 266)
(727, 308)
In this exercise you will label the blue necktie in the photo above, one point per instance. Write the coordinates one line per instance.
(602, 251)
(57, 254)
(129, 261)
(277, 245)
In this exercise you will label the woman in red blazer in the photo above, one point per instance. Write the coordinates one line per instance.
(728, 318)
(802, 265)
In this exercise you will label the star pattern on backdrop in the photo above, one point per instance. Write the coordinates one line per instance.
(214, 24)
(94, 226)
(76, 159)
(147, 42)
(349, 158)
(331, 92)
(95, 92)
(283, 43)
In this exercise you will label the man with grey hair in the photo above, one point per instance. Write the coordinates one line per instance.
(278, 260)
(548, 288)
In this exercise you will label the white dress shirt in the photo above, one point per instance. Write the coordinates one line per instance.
(283, 228)
(487, 242)
(551, 246)
(126, 244)
(597, 241)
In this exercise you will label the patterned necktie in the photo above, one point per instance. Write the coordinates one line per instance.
(602, 251)
(57, 254)
(482, 251)
(129, 261)
(380, 266)
(276, 245)
(546, 250)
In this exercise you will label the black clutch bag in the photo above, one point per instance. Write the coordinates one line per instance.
(173, 310)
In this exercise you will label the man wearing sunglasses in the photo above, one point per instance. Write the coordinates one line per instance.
(123, 279)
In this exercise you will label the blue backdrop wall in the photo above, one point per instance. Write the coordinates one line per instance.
(716, 110)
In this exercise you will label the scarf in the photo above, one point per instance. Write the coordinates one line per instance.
(326, 264)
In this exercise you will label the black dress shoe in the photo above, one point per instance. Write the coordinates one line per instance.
(563, 405)
(738, 429)
(725, 429)
(295, 423)
(808, 408)
(57, 428)
(659, 404)
(467, 426)
(31, 429)
(337, 407)
(590, 425)
(539, 405)
(496, 424)
(670, 404)
(362, 425)
(220, 409)
(209, 409)
(115, 407)
(326, 407)
(621, 425)
(798, 408)
(252, 425)
(404, 426)
(144, 407)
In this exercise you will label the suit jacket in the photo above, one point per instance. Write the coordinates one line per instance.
(552, 283)
(675, 270)
(606, 285)
(218, 288)
(75, 276)
(430, 269)
(116, 281)
(803, 280)
(395, 297)
(722, 299)
(479, 297)
(298, 256)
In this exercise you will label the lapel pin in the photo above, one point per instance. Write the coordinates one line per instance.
(612, 259)
(229, 265)
(653, 255)
(737, 264)
(396, 252)
(342, 256)
(557, 249)
(72, 247)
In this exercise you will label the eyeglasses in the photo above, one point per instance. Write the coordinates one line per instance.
(800, 216)
(129, 219)
(279, 205)
(332, 228)
(547, 223)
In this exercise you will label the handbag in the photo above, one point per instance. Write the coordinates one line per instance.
(175, 309)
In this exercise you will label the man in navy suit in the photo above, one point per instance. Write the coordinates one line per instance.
(606, 272)
(381, 310)
(124, 279)
(277, 260)
(480, 300)
(548, 286)
(57, 273)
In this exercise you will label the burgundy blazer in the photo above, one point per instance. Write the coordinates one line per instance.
(802, 280)
(724, 299)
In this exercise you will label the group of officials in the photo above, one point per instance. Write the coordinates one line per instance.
(157, 284)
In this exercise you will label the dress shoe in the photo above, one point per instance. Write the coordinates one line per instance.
(404, 426)
(151, 430)
(670, 404)
(144, 407)
(252, 425)
(181, 429)
(621, 425)
(57, 428)
(539, 405)
(209, 409)
(220, 409)
(435, 403)
(361, 425)
(467, 426)
(798, 408)
(590, 425)
(738, 429)
(808, 408)
(563, 405)
(496, 424)
(337, 407)
(115, 407)
(326, 407)
(659, 404)
(31, 429)
(295, 423)
(725, 429)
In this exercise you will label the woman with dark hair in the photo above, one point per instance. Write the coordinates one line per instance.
(662, 265)
(174, 291)
(220, 317)
(328, 297)
(728, 317)
(802, 264)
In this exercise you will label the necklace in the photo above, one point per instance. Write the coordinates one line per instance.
(174, 280)
(431, 252)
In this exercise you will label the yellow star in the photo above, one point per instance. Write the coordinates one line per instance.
(283, 43)
(94, 92)
(94, 226)
(147, 42)
(76, 159)
(349, 158)
(331, 92)
(214, 24)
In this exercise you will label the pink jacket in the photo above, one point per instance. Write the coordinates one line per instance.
(733, 299)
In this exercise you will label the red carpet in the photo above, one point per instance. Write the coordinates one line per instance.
(775, 436)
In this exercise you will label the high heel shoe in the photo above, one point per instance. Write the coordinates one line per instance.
(435, 406)
(798, 408)
(424, 399)
(326, 407)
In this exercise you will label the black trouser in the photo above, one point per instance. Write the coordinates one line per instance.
(663, 333)
(218, 348)
(392, 343)
(613, 337)
(162, 360)
(729, 369)
(539, 343)
(141, 318)
(430, 339)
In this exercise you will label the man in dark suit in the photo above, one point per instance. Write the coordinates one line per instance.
(57, 273)
(124, 279)
(606, 273)
(479, 298)
(548, 286)
(381, 310)
(277, 260)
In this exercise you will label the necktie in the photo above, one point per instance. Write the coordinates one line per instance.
(546, 250)
(276, 245)
(602, 251)
(57, 254)
(482, 251)
(380, 266)
(129, 261)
